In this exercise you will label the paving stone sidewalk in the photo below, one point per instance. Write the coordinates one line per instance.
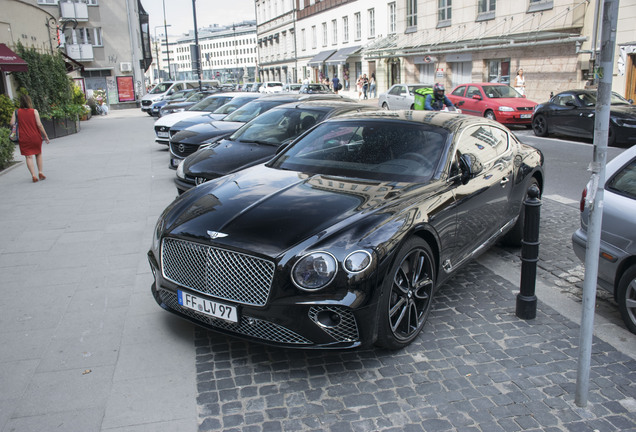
(475, 367)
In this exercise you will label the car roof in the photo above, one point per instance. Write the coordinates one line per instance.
(446, 120)
(324, 104)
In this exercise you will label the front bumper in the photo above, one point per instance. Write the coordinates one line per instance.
(299, 321)
(514, 117)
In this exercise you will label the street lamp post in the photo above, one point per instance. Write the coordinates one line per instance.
(157, 49)
(165, 26)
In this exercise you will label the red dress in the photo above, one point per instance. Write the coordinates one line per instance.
(30, 136)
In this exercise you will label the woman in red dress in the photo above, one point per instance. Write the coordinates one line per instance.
(30, 132)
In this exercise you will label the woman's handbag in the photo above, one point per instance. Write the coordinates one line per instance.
(13, 136)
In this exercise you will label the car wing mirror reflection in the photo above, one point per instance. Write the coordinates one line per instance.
(470, 167)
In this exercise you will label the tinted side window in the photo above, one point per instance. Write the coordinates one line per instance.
(473, 91)
(624, 182)
(396, 90)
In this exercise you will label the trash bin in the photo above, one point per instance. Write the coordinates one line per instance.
(420, 97)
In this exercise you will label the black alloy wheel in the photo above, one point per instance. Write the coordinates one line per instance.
(540, 125)
(626, 296)
(490, 115)
(408, 294)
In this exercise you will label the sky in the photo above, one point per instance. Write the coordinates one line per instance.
(180, 19)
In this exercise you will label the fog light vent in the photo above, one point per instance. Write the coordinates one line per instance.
(338, 322)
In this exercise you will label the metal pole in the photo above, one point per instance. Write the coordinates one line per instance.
(165, 27)
(595, 197)
(526, 299)
(197, 61)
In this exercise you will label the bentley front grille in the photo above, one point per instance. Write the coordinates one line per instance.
(346, 330)
(219, 273)
(249, 326)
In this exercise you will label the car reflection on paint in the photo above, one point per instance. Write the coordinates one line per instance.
(343, 238)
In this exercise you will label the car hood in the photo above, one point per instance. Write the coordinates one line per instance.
(250, 210)
(225, 157)
(200, 133)
(511, 102)
(172, 119)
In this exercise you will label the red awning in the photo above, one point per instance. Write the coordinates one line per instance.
(10, 62)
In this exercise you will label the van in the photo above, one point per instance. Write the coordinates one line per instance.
(166, 88)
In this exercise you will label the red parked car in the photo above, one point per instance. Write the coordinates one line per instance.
(494, 101)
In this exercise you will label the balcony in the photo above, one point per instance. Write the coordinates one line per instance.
(80, 52)
(73, 11)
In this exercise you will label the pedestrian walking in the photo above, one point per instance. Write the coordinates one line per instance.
(359, 86)
(520, 83)
(336, 84)
(365, 85)
(30, 132)
(373, 88)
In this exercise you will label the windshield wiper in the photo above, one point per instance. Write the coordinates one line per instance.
(259, 142)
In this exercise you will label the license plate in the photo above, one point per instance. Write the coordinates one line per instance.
(163, 134)
(208, 307)
(525, 116)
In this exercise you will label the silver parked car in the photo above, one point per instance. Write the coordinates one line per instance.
(400, 96)
(617, 261)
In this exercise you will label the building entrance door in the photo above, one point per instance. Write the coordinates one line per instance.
(630, 90)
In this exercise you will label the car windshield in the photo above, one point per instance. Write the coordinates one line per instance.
(315, 87)
(387, 151)
(210, 104)
(248, 111)
(233, 105)
(501, 91)
(178, 95)
(278, 125)
(160, 88)
(197, 97)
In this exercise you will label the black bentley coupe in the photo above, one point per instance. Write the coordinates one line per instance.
(342, 239)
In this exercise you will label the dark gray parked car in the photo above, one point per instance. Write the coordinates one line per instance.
(617, 261)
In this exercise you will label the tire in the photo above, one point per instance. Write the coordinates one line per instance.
(540, 126)
(412, 107)
(626, 297)
(611, 137)
(489, 114)
(385, 106)
(405, 304)
(515, 235)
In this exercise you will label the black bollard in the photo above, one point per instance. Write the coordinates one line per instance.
(526, 299)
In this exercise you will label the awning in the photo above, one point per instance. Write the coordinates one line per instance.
(342, 55)
(320, 58)
(10, 62)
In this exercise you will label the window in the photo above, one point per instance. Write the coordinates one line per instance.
(539, 5)
(314, 37)
(358, 19)
(47, 2)
(499, 71)
(486, 6)
(371, 23)
(345, 29)
(444, 11)
(486, 10)
(392, 18)
(411, 13)
(624, 182)
(334, 32)
(303, 40)
(324, 34)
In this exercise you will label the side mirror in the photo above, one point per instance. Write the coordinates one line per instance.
(476, 97)
(469, 166)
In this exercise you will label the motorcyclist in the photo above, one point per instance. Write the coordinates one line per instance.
(438, 100)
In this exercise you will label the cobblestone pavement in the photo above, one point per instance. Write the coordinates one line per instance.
(475, 367)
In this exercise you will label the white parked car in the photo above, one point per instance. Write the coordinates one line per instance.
(271, 87)
(400, 96)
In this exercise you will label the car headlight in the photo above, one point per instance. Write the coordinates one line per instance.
(156, 237)
(505, 108)
(180, 173)
(314, 271)
(357, 261)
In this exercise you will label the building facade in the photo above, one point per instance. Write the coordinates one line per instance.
(106, 43)
(555, 42)
(228, 53)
